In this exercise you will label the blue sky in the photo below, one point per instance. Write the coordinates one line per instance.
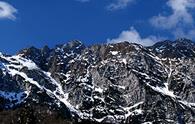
(24, 23)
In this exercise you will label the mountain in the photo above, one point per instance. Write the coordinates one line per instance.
(109, 83)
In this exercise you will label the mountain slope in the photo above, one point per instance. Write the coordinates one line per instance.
(112, 83)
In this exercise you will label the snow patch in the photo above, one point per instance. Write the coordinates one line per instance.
(98, 89)
(147, 123)
(114, 52)
(124, 61)
(163, 90)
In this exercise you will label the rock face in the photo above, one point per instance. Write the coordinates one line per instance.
(112, 83)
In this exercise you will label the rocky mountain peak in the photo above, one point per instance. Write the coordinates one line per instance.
(74, 45)
(174, 49)
(109, 83)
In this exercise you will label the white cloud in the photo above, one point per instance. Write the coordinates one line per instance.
(119, 4)
(115, 5)
(180, 23)
(180, 15)
(133, 36)
(7, 11)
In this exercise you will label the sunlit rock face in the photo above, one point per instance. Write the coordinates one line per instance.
(111, 83)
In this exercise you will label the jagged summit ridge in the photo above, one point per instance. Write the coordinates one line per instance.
(175, 49)
(112, 83)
